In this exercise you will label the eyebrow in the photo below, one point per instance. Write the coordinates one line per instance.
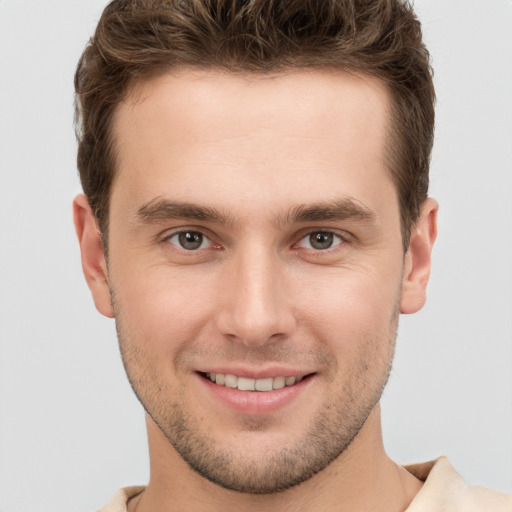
(160, 210)
(343, 209)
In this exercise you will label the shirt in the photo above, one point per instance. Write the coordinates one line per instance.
(443, 491)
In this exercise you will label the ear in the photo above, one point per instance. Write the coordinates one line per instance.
(418, 259)
(94, 264)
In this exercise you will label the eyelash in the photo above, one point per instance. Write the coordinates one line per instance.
(342, 240)
(169, 237)
(333, 234)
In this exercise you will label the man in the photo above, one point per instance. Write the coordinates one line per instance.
(255, 218)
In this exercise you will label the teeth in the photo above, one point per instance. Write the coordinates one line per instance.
(245, 384)
(264, 384)
(230, 381)
(279, 382)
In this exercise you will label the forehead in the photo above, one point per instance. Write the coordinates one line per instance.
(288, 135)
(197, 99)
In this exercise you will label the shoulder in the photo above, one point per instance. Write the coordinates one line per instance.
(445, 491)
(118, 502)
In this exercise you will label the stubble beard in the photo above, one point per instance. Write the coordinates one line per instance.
(330, 433)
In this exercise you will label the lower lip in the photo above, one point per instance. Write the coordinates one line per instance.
(256, 402)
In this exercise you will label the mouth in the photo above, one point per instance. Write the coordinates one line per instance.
(246, 384)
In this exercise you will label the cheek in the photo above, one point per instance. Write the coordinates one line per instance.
(171, 309)
(351, 296)
(350, 309)
(164, 310)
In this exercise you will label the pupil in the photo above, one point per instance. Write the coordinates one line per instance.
(321, 240)
(190, 240)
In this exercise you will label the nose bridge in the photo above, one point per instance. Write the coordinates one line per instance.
(256, 309)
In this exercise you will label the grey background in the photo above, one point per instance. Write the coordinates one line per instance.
(71, 432)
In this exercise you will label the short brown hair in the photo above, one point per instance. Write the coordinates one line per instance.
(138, 39)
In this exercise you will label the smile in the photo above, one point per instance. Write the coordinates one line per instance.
(247, 384)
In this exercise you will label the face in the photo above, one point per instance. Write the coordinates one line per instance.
(255, 267)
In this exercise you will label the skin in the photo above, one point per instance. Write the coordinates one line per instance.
(255, 166)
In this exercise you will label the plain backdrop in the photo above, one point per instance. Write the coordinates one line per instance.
(71, 432)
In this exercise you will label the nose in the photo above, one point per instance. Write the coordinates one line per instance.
(257, 305)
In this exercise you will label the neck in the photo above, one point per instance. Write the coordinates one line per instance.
(362, 478)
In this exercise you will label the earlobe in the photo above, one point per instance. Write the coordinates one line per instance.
(418, 259)
(93, 257)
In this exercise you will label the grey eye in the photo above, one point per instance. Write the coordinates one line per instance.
(190, 240)
(320, 240)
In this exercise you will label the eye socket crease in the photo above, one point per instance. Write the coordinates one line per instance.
(347, 210)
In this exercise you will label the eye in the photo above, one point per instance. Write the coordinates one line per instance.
(320, 240)
(190, 240)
